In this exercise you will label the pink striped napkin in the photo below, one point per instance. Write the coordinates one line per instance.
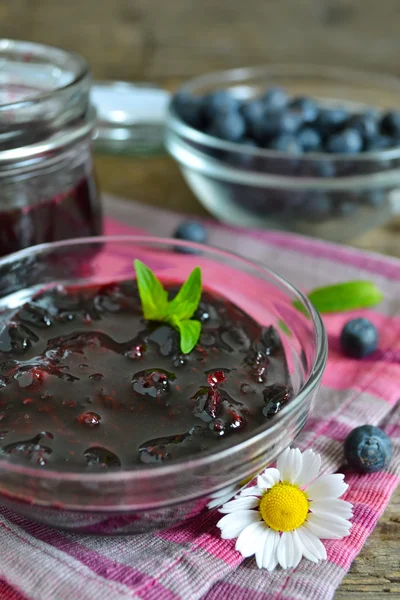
(191, 561)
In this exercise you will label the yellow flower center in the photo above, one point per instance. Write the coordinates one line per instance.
(284, 507)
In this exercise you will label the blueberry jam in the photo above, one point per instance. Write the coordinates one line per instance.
(74, 213)
(87, 383)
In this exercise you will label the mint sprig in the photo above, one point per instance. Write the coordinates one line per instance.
(177, 312)
(340, 297)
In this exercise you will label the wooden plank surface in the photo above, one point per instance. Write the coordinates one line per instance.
(169, 40)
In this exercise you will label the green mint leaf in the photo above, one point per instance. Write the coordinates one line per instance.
(153, 297)
(340, 297)
(190, 333)
(185, 303)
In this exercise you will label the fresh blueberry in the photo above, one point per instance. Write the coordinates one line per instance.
(245, 159)
(309, 139)
(191, 231)
(330, 119)
(368, 449)
(317, 207)
(348, 141)
(228, 126)
(375, 198)
(252, 111)
(379, 142)
(276, 123)
(366, 124)
(390, 123)
(347, 208)
(285, 142)
(307, 107)
(359, 337)
(189, 109)
(275, 98)
(324, 168)
(218, 102)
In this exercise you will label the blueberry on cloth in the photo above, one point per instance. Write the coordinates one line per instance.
(359, 337)
(191, 231)
(367, 449)
(348, 141)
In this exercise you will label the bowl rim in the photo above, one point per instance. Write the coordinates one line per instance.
(239, 75)
(139, 472)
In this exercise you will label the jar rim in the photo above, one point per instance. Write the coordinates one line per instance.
(57, 56)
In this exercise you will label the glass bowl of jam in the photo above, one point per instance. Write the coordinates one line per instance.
(48, 185)
(107, 427)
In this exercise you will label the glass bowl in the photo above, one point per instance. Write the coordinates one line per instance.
(333, 196)
(147, 497)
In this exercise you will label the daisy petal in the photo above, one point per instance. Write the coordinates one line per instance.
(327, 531)
(327, 486)
(297, 548)
(232, 525)
(327, 523)
(330, 507)
(250, 538)
(239, 503)
(313, 548)
(285, 550)
(289, 464)
(250, 491)
(263, 545)
(310, 468)
(270, 559)
(268, 478)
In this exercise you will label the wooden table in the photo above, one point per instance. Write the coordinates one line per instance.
(169, 40)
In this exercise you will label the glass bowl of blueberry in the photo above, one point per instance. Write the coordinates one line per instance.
(127, 405)
(309, 149)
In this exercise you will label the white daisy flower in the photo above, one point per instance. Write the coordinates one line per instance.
(285, 516)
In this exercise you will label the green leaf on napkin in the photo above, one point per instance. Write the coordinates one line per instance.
(341, 297)
(177, 312)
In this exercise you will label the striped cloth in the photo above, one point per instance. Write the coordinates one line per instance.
(191, 562)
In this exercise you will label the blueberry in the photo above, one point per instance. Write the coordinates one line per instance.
(379, 142)
(191, 231)
(285, 142)
(347, 208)
(317, 207)
(189, 109)
(275, 98)
(218, 102)
(348, 141)
(390, 123)
(375, 197)
(359, 337)
(228, 126)
(275, 123)
(366, 124)
(252, 111)
(330, 119)
(309, 139)
(307, 107)
(368, 449)
(275, 397)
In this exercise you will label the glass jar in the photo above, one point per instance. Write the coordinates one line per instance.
(48, 185)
